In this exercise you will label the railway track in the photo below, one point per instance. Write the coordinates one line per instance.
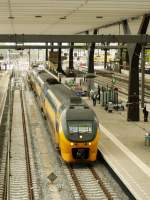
(86, 184)
(3, 142)
(18, 177)
(27, 155)
(122, 86)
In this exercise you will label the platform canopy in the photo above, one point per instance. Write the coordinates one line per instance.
(68, 16)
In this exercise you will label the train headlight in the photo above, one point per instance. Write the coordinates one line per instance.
(89, 143)
(80, 136)
(71, 143)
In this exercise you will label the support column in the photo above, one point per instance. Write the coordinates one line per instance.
(91, 56)
(38, 54)
(127, 31)
(29, 53)
(133, 90)
(71, 67)
(9, 57)
(52, 48)
(87, 32)
(46, 52)
(127, 58)
(59, 68)
(90, 64)
(120, 60)
(143, 76)
(105, 58)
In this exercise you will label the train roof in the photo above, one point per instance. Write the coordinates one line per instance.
(49, 79)
(43, 75)
(77, 113)
(62, 93)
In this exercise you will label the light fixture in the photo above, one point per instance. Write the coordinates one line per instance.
(63, 17)
(99, 17)
(11, 17)
(38, 16)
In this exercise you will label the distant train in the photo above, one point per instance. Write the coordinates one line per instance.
(73, 124)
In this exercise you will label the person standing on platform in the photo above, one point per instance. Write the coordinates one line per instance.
(94, 99)
(99, 94)
(145, 112)
(91, 94)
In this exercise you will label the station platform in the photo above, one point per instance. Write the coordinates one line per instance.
(122, 144)
(4, 81)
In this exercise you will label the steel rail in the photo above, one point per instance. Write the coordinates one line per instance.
(76, 182)
(6, 191)
(100, 182)
(29, 175)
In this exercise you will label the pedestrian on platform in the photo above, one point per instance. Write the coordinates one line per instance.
(94, 99)
(91, 93)
(99, 94)
(145, 112)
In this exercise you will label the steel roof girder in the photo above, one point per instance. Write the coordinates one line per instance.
(76, 38)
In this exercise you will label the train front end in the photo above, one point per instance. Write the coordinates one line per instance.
(80, 134)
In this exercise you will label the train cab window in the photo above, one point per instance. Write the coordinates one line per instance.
(80, 127)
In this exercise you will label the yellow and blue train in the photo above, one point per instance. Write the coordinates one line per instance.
(73, 124)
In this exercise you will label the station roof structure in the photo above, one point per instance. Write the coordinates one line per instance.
(58, 17)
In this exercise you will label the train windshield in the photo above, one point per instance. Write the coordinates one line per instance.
(80, 126)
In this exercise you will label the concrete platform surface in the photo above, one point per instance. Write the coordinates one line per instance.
(4, 81)
(122, 145)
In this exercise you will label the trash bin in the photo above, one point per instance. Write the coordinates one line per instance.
(110, 107)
